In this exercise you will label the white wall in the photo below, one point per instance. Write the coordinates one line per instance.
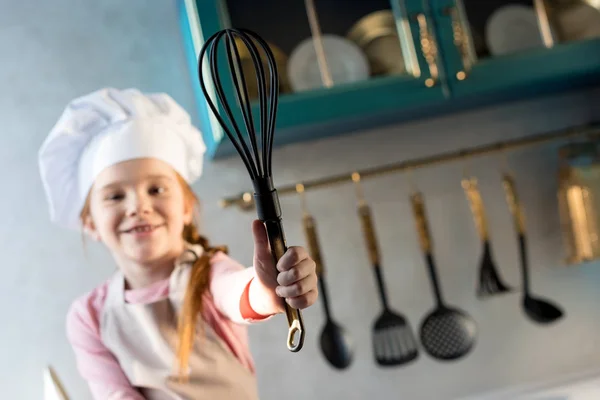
(53, 51)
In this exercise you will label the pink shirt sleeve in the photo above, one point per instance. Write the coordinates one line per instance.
(95, 362)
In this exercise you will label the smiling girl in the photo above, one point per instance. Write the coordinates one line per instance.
(170, 323)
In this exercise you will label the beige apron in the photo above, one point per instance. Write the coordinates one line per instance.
(143, 338)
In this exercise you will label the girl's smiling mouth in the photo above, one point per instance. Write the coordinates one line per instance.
(142, 229)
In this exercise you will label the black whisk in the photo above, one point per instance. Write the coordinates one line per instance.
(257, 160)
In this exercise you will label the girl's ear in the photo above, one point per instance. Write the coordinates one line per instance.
(90, 229)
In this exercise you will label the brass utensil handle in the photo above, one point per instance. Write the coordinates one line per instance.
(429, 49)
(294, 316)
(310, 232)
(515, 209)
(308, 223)
(461, 41)
(418, 208)
(476, 205)
(513, 203)
(366, 220)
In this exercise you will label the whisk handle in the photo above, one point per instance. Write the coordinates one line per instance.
(294, 316)
(269, 212)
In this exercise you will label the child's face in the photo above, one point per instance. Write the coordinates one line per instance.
(138, 210)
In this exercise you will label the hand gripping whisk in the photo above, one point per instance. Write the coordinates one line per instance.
(257, 160)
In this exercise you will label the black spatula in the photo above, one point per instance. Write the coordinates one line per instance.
(447, 333)
(392, 336)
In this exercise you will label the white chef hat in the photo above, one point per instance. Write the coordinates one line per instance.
(106, 127)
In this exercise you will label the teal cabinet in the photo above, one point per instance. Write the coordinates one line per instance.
(470, 36)
(436, 62)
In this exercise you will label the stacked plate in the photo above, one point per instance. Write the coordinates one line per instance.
(371, 48)
(377, 35)
(344, 59)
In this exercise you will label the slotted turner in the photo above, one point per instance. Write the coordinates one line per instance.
(392, 337)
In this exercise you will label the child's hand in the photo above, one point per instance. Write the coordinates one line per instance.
(295, 277)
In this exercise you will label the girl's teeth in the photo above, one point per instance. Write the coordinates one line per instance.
(143, 229)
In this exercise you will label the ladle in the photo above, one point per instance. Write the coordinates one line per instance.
(538, 310)
(335, 341)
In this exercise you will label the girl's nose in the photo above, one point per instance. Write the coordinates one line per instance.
(139, 205)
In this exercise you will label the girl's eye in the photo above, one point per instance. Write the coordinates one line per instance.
(114, 197)
(157, 190)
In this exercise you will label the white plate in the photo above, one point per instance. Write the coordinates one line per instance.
(346, 61)
(511, 29)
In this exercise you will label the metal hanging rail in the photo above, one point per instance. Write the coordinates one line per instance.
(245, 200)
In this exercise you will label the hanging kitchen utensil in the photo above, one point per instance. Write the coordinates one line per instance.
(259, 168)
(447, 333)
(490, 282)
(538, 310)
(579, 200)
(335, 340)
(392, 336)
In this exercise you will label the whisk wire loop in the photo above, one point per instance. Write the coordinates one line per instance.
(274, 96)
(210, 47)
(257, 166)
(222, 97)
(242, 98)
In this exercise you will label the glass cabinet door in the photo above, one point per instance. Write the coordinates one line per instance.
(510, 43)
